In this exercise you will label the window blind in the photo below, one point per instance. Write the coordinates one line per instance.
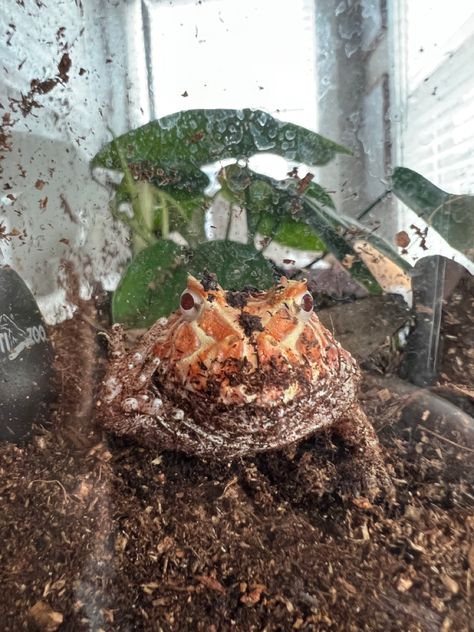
(433, 117)
(437, 116)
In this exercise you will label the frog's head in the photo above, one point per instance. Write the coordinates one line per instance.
(247, 346)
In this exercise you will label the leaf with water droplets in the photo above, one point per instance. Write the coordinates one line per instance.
(291, 233)
(182, 142)
(151, 285)
(235, 265)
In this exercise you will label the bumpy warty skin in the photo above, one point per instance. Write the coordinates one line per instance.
(235, 373)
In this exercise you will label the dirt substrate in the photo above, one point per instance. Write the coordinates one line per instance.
(99, 534)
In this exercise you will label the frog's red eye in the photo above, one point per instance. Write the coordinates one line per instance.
(307, 302)
(187, 301)
(190, 304)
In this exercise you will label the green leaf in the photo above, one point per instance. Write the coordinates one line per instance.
(451, 215)
(337, 238)
(235, 265)
(179, 144)
(316, 192)
(167, 155)
(351, 230)
(151, 285)
(268, 213)
(286, 203)
(307, 219)
(291, 233)
(416, 191)
(339, 233)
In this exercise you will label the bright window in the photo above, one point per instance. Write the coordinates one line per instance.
(234, 54)
(436, 136)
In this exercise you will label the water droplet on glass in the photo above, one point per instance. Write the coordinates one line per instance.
(262, 143)
(168, 122)
(341, 7)
(350, 49)
(272, 132)
(234, 134)
(262, 118)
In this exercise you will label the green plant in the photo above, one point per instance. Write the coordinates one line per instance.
(164, 190)
(452, 216)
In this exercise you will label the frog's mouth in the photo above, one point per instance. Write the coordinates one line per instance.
(235, 381)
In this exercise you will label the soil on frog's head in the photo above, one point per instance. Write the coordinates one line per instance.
(209, 281)
(250, 323)
(239, 299)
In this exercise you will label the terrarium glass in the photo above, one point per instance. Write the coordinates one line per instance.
(236, 314)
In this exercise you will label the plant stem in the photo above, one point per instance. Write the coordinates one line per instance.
(165, 220)
(138, 223)
(229, 223)
(374, 204)
(135, 226)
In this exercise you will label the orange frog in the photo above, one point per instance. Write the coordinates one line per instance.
(234, 373)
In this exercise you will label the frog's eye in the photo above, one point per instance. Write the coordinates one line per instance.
(190, 304)
(306, 304)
